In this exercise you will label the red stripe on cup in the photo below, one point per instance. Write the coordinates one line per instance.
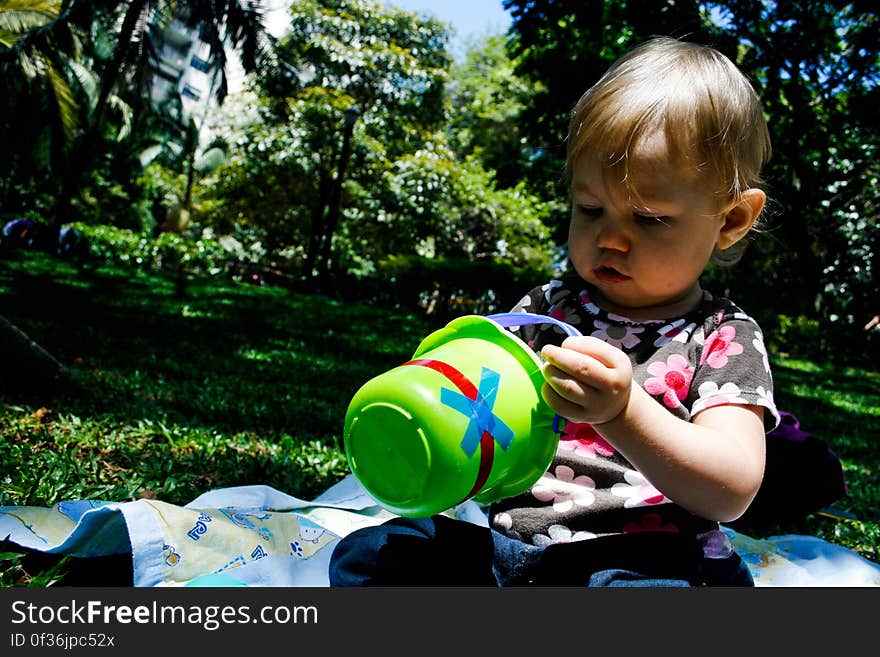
(458, 379)
(469, 390)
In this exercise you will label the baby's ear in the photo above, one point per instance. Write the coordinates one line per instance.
(741, 217)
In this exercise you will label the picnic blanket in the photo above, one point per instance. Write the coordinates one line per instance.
(259, 536)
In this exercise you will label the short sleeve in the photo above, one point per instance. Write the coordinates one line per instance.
(733, 368)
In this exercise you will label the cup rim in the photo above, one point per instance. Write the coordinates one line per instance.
(481, 327)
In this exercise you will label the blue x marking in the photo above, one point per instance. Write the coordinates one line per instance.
(479, 410)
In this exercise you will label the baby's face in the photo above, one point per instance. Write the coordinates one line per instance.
(644, 255)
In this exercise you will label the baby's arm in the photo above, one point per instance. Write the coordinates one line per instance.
(711, 466)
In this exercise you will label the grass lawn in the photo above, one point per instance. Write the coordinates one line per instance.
(225, 384)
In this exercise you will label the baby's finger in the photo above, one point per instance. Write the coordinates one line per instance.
(565, 408)
(565, 385)
(577, 364)
(606, 354)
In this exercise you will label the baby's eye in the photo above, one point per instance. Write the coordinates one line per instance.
(590, 211)
(651, 220)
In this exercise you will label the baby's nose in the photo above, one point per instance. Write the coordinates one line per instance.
(613, 236)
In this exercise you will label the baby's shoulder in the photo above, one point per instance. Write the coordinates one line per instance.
(716, 312)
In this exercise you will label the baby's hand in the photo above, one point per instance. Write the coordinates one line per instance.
(587, 380)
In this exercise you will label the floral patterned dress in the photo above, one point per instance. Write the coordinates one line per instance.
(710, 356)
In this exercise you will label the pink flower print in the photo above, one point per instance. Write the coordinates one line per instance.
(558, 312)
(672, 379)
(564, 489)
(651, 522)
(638, 491)
(719, 345)
(560, 534)
(676, 331)
(582, 439)
(616, 334)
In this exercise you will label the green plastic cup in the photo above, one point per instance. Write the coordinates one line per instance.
(463, 419)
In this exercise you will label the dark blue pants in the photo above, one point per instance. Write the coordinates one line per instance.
(440, 551)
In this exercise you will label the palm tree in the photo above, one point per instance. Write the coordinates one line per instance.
(39, 112)
(236, 24)
(171, 133)
(30, 50)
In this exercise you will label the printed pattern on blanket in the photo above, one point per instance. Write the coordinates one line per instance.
(258, 536)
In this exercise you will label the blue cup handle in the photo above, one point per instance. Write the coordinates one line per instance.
(525, 319)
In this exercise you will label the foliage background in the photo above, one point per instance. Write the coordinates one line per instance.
(456, 160)
(362, 163)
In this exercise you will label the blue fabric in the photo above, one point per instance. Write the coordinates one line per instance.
(164, 552)
(441, 551)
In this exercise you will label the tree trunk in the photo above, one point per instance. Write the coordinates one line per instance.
(334, 208)
(318, 225)
(80, 159)
(120, 55)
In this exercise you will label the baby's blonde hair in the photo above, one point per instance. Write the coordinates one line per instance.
(710, 114)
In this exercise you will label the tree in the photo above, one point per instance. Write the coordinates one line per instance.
(439, 206)
(406, 191)
(816, 68)
(221, 24)
(39, 111)
(352, 55)
(486, 98)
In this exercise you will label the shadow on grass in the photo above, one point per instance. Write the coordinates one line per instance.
(226, 385)
(225, 355)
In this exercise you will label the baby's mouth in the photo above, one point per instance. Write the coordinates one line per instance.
(609, 274)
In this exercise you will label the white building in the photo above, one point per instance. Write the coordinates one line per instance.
(185, 61)
(184, 67)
